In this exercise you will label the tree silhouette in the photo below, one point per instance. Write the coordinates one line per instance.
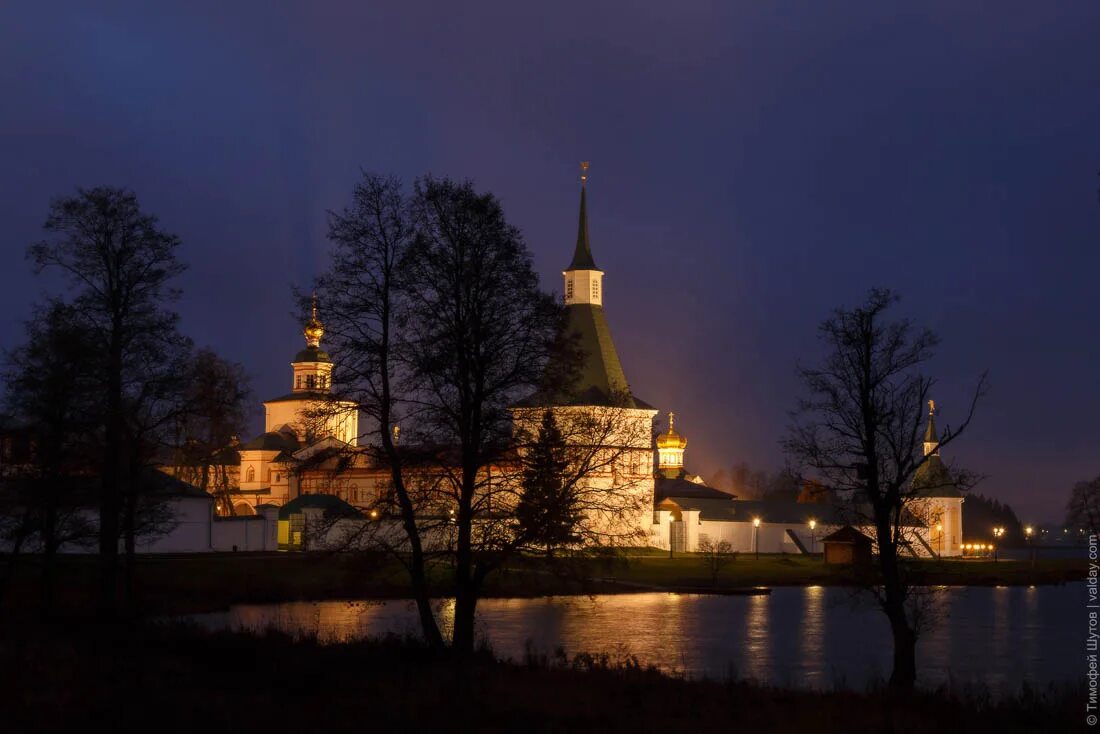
(548, 511)
(859, 430)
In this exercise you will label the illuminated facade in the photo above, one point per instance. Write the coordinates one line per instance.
(647, 496)
(599, 409)
(305, 417)
(937, 499)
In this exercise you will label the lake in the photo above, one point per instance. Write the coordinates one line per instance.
(815, 637)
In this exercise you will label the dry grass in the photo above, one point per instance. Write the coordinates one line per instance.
(178, 679)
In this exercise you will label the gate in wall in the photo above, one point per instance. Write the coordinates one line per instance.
(678, 537)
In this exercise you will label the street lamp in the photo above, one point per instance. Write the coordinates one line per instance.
(671, 520)
(813, 524)
(1030, 531)
(998, 532)
(939, 537)
(756, 536)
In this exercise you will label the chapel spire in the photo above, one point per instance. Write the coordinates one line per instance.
(931, 437)
(582, 255)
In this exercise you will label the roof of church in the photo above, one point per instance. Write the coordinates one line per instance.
(933, 479)
(312, 354)
(301, 395)
(789, 513)
(680, 487)
(582, 255)
(601, 380)
(84, 489)
(273, 441)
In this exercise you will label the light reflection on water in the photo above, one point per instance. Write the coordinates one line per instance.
(810, 637)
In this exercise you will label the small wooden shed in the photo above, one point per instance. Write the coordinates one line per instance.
(847, 546)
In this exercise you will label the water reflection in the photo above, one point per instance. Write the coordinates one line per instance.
(754, 651)
(811, 637)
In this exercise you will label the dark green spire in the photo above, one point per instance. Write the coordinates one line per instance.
(582, 255)
(930, 435)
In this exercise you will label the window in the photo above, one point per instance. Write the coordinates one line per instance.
(569, 289)
(595, 290)
(298, 381)
(251, 476)
(324, 381)
(311, 382)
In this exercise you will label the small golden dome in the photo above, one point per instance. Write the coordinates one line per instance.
(314, 329)
(671, 439)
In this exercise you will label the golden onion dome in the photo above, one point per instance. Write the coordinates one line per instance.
(671, 439)
(314, 330)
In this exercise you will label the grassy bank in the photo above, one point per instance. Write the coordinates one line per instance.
(179, 584)
(177, 679)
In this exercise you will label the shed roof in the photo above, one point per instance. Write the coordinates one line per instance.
(847, 534)
(330, 503)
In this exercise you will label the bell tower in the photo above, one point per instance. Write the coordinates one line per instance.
(312, 366)
(583, 280)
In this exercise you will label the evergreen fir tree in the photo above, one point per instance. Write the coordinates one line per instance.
(547, 512)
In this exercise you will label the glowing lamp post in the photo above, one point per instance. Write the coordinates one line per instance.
(813, 524)
(939, 538)
(756, 536)
(998, 532)
(1029, 532)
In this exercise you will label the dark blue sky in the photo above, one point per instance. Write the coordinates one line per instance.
(753, 166)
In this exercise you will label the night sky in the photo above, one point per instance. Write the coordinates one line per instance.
(752, 167)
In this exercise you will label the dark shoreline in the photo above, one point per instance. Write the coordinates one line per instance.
(168, 678)
(167, 585)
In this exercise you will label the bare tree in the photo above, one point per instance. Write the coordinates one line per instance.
(717, 554)
(438, 330)
(50, 391)
(478, 335)
(859, 430)
(119, 264)
(361, 294)
(1083, 508)
(213, 414)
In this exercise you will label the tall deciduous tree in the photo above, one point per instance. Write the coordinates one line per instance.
(50, 392)
(478, 334)
(1083, 508)
(859, 429)
(212, 415)
(361, 294)
(435, 322)
(120, 265)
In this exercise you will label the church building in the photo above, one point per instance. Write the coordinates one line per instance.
(310, 447)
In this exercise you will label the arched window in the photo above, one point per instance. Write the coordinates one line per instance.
(569, 288)
(251, 475)
(311, 382)
(298, 381)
